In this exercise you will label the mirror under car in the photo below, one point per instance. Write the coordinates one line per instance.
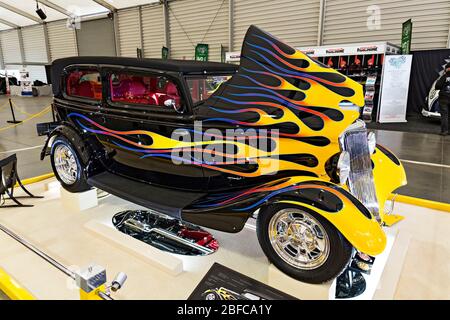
(172, 103)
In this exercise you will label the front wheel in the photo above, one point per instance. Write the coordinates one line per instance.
(210, 296)
(68, 168)
(302, 243)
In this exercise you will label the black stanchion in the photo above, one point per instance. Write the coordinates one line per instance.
(13, 115)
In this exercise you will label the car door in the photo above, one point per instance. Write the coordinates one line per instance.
(143, 117)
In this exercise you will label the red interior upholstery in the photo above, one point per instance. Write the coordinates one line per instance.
(142, 90)
(171, 92)
(84, 87)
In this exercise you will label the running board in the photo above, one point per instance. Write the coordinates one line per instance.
(164, 200)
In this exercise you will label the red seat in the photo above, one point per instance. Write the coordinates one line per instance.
(171, 91)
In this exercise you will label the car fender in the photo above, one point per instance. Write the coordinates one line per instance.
(388, 173)
(70, 133)
(351, 218)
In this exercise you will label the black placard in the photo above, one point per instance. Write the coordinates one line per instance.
(222, 283)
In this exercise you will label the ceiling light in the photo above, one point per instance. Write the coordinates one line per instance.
(39, 12)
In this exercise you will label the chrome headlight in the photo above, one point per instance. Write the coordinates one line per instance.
(343, 167)
(372, 142)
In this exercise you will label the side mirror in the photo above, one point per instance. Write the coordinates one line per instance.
(172, 103)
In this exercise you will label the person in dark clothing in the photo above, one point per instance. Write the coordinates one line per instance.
(443, 84)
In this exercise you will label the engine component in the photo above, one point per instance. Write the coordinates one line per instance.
(165, 233)
(350, 284)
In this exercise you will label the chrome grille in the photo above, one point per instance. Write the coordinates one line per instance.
(360, 182)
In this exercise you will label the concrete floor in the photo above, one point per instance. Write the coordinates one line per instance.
(429, 179)
(426, 158)
(23, 139)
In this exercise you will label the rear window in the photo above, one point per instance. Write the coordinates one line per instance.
(144, 89)
(84, 84)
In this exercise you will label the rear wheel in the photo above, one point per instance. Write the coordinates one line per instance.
(302, 243)
(66, 164)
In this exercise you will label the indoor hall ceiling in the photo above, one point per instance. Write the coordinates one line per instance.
(23, 13)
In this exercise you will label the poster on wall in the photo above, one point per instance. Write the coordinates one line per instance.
(201, 52)
(394, 95)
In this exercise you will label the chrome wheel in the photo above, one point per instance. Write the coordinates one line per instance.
(65, 164)
(299, 239)
(210, 296)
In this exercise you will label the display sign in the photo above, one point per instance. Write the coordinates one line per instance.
(222, 283)
(325, 51)
(234, 56)
(201, 52)
(394, 95)
(25, 83)
(406, 36)
(351, 49)
(165, 53)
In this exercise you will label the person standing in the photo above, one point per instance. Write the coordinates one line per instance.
(443, 85)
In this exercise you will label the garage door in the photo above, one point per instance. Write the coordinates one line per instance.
(198, 21)
(34, 44)
(10, 47)
(96, 38)
(153, 30)
(62, 40)
(348, 21)
(293, 21)
(129, 32)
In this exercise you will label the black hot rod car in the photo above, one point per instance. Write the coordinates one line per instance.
(157, 133)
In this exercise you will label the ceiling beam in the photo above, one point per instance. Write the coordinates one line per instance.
(106, 5)
(20, 12)
(54, 6)
(9, 24)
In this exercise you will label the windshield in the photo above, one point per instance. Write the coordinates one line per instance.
(202, 87)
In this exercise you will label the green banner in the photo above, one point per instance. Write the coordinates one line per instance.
(201, 52)
(406, 36)
(165, 53)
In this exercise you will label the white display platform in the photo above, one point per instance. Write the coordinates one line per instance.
(79, 201)
(327, 291)
(77, 239)
(167, 262)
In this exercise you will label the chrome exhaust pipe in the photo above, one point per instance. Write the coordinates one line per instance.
(174, 237)
(139, 226)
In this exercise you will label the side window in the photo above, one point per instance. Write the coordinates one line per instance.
(142, 89)
(84, 83)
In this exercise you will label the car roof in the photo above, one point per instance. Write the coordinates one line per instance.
(184, 66)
